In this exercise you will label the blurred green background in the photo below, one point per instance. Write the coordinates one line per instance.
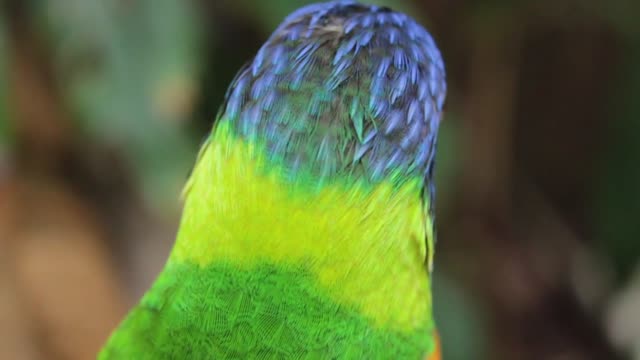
(103, 104)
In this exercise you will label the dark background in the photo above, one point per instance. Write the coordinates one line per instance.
(103, 104)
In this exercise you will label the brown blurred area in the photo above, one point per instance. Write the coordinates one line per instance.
(59, 293)
(103, 104)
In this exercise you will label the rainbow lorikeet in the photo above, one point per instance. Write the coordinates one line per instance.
(308, 227)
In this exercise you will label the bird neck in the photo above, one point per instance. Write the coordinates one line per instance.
(364, 245)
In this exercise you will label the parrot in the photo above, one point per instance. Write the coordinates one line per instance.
(308, 223)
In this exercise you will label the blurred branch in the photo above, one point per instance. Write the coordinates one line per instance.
(63, 272)
(512, 243)
(41, 125)
(488, 114)
(60, 272)
(17, 327)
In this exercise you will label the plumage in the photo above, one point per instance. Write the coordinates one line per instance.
(307, 231)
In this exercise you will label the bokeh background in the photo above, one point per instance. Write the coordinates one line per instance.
(103, 104)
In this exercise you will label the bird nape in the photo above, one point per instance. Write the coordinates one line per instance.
(308, 225)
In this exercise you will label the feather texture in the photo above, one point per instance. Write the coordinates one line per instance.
(305, 219)
(332, 73)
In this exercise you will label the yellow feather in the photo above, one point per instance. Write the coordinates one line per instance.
(365, 245)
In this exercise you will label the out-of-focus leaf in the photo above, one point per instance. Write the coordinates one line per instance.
(618, 198)
(128, 70)
(447, 162)
(459, 321)
(622, 15)
(5, 128)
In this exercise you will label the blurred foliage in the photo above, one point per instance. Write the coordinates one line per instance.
(448, 161)
(459, 321)
(618, 195)
(5, 126)
(128, 69)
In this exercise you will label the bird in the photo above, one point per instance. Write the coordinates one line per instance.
(308, 227)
